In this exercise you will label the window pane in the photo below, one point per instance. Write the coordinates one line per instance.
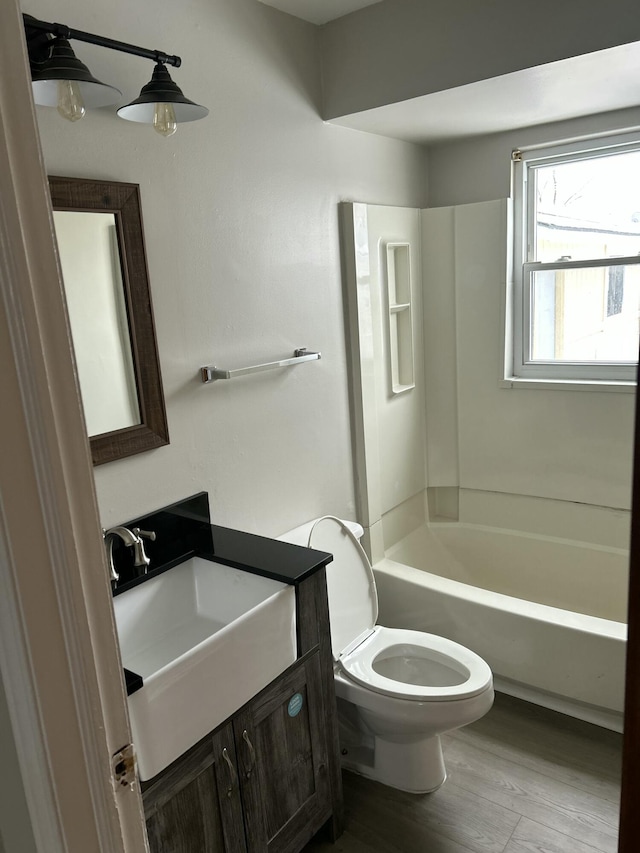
(587, 208)
(587, 314)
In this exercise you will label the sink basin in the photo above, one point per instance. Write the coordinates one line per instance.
(205, 638)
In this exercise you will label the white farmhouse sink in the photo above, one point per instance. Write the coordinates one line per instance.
(205, 638)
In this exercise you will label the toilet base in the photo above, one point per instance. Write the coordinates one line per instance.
(416, 767)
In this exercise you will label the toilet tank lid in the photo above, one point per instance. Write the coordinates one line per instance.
(300, 535)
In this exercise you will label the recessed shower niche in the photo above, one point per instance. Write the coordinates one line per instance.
(398, 268)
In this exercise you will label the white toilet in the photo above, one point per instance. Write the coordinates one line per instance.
(397, 690)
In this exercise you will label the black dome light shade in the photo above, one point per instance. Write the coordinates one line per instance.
(161, 90)
(62, 64)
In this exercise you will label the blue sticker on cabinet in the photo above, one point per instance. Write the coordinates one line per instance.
(295, 705)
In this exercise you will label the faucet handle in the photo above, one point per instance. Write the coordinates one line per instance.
(141, 558)
(145, 534)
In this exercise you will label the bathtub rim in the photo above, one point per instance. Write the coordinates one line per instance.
(499, 601)
(580, 555)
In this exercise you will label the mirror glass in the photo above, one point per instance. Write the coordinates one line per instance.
(102, 255)
(90, 260)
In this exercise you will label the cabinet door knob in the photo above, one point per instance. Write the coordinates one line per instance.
(252, 754)
(232, 772)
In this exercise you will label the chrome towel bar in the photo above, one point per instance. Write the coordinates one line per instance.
(211, 372)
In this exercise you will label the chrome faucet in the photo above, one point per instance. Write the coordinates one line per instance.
(132, 538)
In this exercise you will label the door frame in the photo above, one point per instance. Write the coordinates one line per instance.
(65, 713)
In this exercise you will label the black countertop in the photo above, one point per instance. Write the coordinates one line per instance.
(260, 555)
(184, 530)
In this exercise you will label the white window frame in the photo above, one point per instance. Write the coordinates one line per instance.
(519, 367)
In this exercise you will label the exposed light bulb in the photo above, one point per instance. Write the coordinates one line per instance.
(164, 119)
(70, 103)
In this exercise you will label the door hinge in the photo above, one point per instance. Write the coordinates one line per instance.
(123, 765)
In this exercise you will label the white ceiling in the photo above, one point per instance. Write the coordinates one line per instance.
(319, 11)
(584, 85)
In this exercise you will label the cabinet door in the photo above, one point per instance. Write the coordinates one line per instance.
(282, 760)
(194, 806)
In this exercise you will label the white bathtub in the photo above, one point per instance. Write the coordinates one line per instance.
(547, 614)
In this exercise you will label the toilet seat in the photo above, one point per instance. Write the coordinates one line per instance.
(351, 588)
(440, 670)
(401, 663)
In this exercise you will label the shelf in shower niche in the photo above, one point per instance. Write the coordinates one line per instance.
(400, 317)
(211, 373)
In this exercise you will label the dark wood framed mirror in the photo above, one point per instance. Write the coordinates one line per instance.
(104, 265)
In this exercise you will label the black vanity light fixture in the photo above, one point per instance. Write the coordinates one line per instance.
(60, 80)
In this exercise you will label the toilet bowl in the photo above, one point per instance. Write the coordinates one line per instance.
(397, 690)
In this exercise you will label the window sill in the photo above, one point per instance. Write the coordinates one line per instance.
(517, 382)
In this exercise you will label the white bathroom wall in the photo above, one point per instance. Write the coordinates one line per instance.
(241, 222)
(479, 168)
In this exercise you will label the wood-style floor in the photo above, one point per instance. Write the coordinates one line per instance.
(521, 780)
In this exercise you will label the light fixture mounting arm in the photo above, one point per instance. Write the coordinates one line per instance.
(37, 33)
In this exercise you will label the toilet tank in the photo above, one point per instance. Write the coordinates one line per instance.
(300, 535)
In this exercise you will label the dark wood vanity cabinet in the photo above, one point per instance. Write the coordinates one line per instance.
(194, 805)
(269, 778)
(282, 759)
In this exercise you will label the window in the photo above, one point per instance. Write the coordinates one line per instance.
(577, 263)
